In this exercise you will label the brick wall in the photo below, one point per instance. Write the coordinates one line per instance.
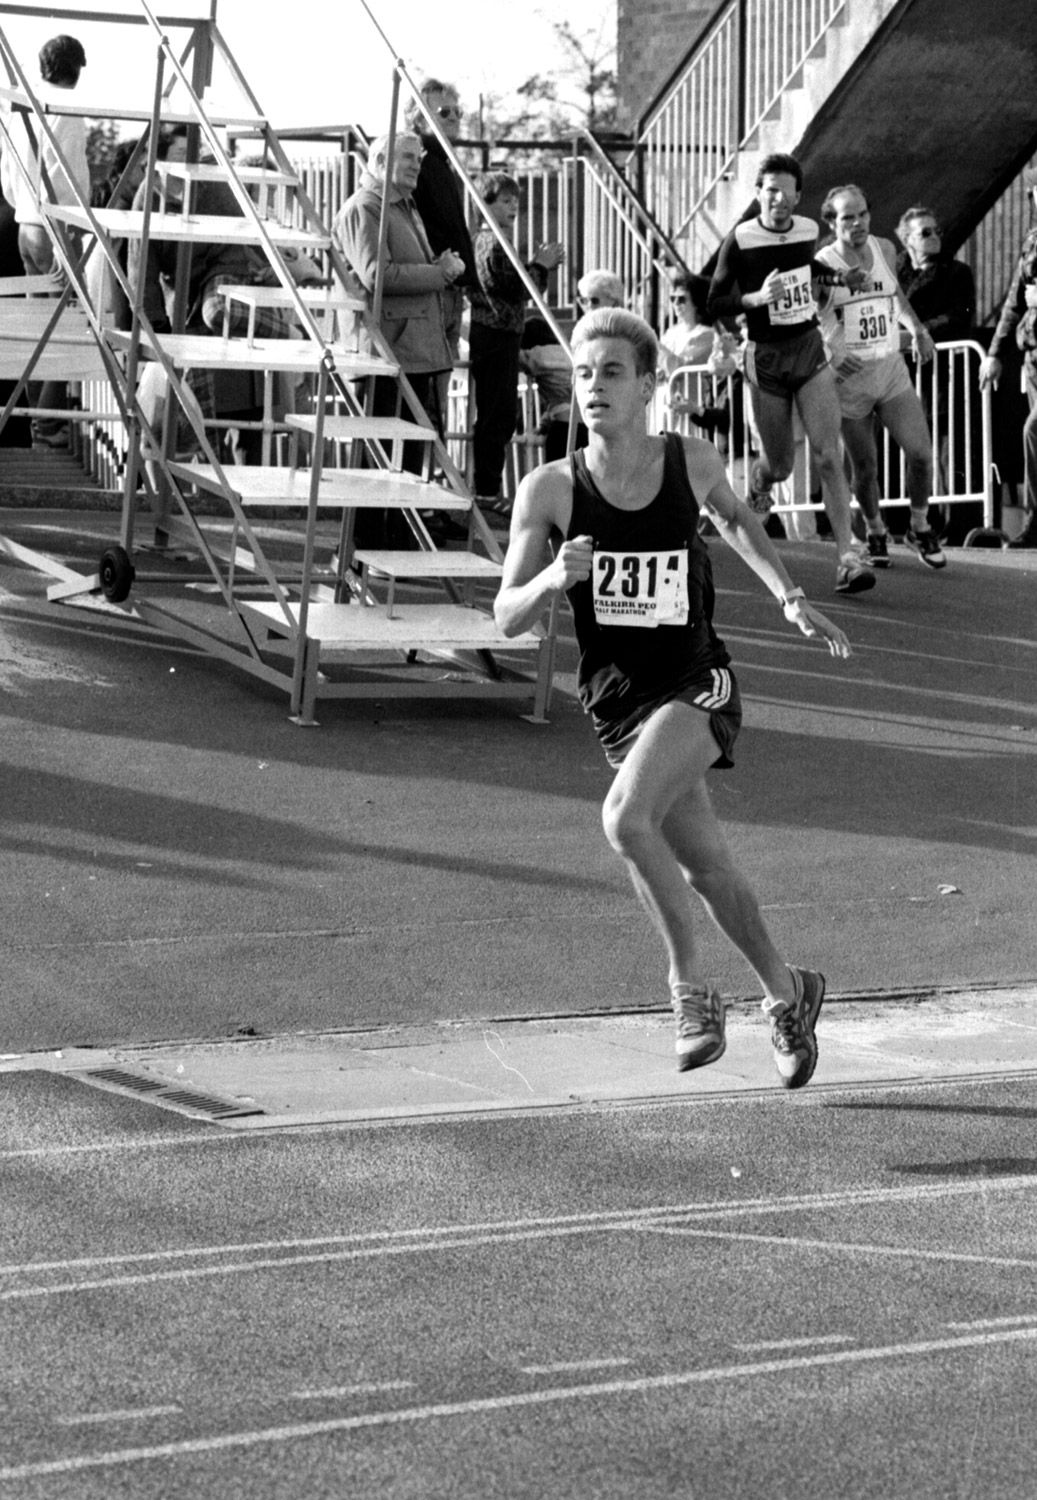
(652, 37)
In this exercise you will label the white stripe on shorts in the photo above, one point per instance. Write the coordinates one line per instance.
(721, 690)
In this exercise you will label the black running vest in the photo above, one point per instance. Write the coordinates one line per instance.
(623, 666)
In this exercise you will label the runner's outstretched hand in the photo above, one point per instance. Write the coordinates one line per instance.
(813, 623)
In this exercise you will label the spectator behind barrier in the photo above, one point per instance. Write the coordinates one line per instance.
(495, 336)
(1019, 318)
(942, 292)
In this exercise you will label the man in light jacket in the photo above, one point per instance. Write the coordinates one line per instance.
(414, 278)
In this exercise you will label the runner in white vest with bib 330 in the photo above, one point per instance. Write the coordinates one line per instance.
(861, 328)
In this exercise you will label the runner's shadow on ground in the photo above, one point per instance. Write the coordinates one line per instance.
(158, 837)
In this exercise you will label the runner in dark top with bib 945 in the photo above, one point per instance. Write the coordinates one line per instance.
(765, 270)
(615, 527)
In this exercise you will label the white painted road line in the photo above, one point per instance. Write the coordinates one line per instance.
(362, 1388)
(451, 1234)
(1020, 1318)
(847, 1247)
(330, 1257)
(760, 1345)
(603, 1390)
(571, 1366)
(129, 1414)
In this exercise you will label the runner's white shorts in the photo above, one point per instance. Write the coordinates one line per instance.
(881, 380)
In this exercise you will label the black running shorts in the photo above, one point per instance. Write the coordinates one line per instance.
(715, 694)
(784, 368)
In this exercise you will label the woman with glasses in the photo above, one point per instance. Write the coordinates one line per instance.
(689, 339)
(693, 340)
(599, 288)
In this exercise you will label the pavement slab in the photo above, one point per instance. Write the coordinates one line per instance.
(502, 1065)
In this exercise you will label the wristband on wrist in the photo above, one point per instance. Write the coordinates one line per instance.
(793, 598)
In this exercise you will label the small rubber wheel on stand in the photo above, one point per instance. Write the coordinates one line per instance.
(117, 574)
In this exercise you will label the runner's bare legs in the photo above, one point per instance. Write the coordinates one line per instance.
(904, 420)
(818, 407)
(659, 818)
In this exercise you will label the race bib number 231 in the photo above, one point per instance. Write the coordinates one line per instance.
(641, 588)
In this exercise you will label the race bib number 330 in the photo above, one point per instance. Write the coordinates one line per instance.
(870, 327)
(641, 588)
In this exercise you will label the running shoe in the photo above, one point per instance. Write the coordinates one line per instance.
(878, 548)
(854, 574)
(759, 498)
(792, 1030)
(700, 1026)
(927, 545)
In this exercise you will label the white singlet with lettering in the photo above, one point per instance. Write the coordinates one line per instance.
(641, 588)
(796, 304)
(865, 322)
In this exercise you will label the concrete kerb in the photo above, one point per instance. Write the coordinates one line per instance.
(500, 1066)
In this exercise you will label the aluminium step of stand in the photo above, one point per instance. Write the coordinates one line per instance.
(71, 352)
(276, 296)
(462, 567)
(208, 351)
(416, 564)
(323, 301)
(343, 429)
(209, 229)
(338, 489)
(210, 171)
(95, 109)
(345, 628)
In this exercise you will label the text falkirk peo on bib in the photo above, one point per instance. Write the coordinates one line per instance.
(641, 588)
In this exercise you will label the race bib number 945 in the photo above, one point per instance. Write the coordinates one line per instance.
(796, 303)
(641, 588)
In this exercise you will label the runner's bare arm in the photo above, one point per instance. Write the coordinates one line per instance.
(744, 532)
(534, 576)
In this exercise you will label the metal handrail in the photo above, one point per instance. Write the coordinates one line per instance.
(729, 82)
(641, 208)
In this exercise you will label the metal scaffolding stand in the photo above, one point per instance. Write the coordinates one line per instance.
(334, 620)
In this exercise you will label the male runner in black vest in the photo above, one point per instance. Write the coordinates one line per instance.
(616, 528)
(765, 269)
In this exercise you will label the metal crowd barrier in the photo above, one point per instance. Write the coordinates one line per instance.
(958, 412)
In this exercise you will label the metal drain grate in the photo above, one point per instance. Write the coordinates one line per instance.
(191, 1101)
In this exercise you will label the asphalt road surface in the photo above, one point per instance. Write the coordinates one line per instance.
(178, 860)
(798, 1297)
